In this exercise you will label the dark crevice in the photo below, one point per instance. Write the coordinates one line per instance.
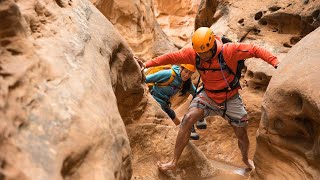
(15, 85)
(73, 162)
(5, 74)
(274, 8)
(70, 2)
(101, 51)
(241, 21)
(21, 125)
(2, 166)
(257, 88)
(61, 3)
(287, 45)
(258, 15)
(14, 52)
(31, 102)
(256, 31)
(5, 42)
(309, 127)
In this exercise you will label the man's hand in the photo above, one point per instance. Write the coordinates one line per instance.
(141, 63)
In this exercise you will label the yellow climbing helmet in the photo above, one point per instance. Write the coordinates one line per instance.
(190, 67)
(203, 39)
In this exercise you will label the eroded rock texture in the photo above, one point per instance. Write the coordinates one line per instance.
(276, 26)
(177, 18)
(136, 22)
(206, 13)
(288, 139)
(61, 63)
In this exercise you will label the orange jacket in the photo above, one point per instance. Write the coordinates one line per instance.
(213, 80)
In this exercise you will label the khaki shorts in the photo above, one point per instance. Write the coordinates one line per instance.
(235, 108)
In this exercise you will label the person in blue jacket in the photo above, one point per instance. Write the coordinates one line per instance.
(181, 82)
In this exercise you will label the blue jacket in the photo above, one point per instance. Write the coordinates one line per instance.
(162, 94)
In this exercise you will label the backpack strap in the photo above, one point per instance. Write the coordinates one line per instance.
(223, 63)
(173, 75)
(235, 83)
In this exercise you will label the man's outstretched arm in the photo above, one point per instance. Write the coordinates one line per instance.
(245, 51)
(183, 56)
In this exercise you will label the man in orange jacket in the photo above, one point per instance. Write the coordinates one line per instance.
(219, 95)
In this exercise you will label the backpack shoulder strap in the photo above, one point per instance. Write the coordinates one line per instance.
(223, 63)
(173, 75)
(198, 62)
(235, 82)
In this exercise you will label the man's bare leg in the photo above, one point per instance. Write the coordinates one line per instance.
(243, 144)
(183, 137)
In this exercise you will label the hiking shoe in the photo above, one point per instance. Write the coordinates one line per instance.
(201, 124)
(194, 135)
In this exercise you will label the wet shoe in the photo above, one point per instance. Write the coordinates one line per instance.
(194, 135)
(201, 124)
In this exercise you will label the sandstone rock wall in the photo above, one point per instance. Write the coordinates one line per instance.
(177, 18)
(62, 65)
(136, 22)
(288, 136)
(206, 13)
